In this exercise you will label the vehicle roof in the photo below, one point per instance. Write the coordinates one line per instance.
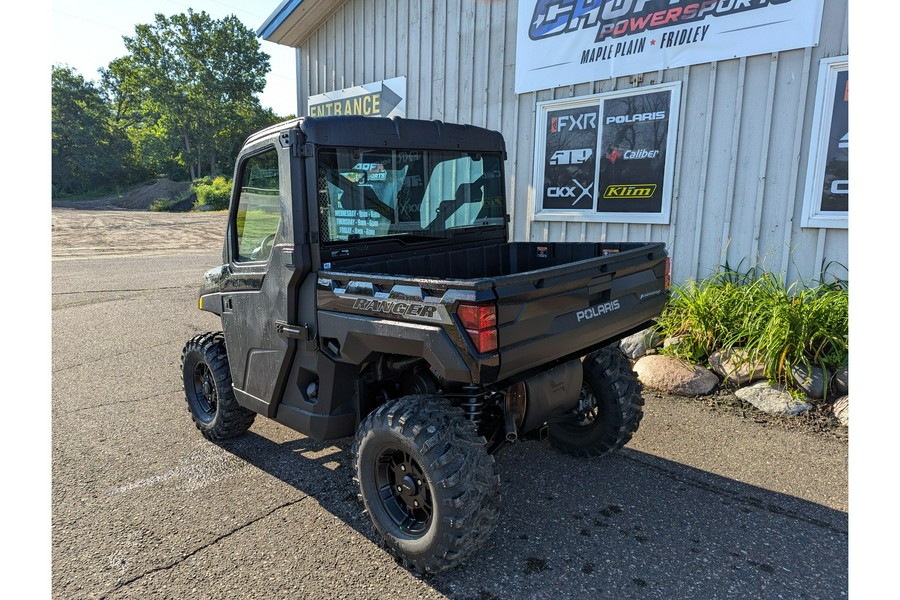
(394, 132)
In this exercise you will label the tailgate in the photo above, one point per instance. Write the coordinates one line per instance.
(567, 310)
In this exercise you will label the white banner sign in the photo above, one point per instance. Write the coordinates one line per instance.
(563, 42)
(378, 99)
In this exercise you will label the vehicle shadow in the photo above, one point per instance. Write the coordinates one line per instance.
(628, 525)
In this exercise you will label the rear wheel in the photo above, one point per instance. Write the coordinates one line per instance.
(609, 408)
(426, 481)
(208, 391)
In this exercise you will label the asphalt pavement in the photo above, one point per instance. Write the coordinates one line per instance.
(701, 504)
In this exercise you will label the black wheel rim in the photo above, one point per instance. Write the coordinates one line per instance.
(205, 397)
(587, 411)
(403, 491)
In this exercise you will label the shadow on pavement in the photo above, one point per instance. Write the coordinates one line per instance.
(629, 525)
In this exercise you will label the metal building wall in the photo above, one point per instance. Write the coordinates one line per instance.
(742, 148)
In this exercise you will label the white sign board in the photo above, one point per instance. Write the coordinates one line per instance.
(564, 42)
(378, 99)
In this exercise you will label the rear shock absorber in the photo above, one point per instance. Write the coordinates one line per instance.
(472, 405)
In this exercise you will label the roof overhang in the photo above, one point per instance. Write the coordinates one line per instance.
(295, 20)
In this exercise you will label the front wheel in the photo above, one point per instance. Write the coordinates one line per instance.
(427, 482)
(609, 408)
(207, 388)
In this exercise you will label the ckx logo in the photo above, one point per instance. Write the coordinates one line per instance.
(569, 191)
(571, 157)
(573, 122)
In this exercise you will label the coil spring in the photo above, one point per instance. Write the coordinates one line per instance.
(473, 407)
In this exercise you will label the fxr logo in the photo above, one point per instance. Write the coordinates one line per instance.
(571, 157)
(573, 122)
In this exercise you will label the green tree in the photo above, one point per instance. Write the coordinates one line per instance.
(186, 88)
(88, 152)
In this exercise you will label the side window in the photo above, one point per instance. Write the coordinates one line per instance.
(259, 207)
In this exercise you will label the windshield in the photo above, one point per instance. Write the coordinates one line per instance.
(365, 194)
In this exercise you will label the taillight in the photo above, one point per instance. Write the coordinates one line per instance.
(668, 272)
(480, 322)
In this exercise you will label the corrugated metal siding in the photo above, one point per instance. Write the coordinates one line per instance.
(742, 145)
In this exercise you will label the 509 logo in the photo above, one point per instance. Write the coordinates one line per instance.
(571, 157)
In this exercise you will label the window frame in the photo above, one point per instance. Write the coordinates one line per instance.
(663, 217)
(233, 243)
(813, 215)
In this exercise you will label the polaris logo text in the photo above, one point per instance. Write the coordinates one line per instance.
(630, 191)
(597, 311)
(391, 307)
(637, 118)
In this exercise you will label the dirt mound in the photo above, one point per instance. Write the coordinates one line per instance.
(141, 198)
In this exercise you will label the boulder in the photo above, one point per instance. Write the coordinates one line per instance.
(674, 375)
(841, 410)
(811, 381)
(841, 381)
(774, 400)
(733, 366)
(635, 346)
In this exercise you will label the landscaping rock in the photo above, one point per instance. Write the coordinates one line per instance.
(774, 400)
(636, 346)
(733, 366)
(841, 382)
(811, 381)
(671, 341)
(841, 410)
(675, 376)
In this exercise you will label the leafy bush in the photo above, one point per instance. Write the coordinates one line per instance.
(212, 193)
(778, 325)
(163, 204)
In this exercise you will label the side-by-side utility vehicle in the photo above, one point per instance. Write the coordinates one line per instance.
(369, 289)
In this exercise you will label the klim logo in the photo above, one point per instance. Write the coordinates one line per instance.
(638, 190)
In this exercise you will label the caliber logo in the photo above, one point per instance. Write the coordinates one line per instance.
(638, 190)
(614, 155)
(571, 157)
(573, 122)
(569, 191)
(597, 310)
(640, 154)
(659, 115)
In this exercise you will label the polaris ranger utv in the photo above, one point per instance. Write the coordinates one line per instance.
(368, 288)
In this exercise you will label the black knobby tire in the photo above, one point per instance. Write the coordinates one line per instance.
(426, 481)
(207, 388)
(610, 407)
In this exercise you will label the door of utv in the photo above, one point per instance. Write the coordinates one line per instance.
(259, 303)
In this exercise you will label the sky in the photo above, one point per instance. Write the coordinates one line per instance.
(87, 35)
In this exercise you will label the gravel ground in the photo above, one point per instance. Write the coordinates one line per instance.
(709, 500)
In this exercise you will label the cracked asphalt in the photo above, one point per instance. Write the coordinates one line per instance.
(701, 504)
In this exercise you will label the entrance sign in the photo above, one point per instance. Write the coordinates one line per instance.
(378, 99)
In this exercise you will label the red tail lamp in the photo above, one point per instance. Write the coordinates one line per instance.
(480, 323)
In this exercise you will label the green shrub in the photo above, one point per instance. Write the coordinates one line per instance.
(163, 204)
(213, 193)
(778, 325)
